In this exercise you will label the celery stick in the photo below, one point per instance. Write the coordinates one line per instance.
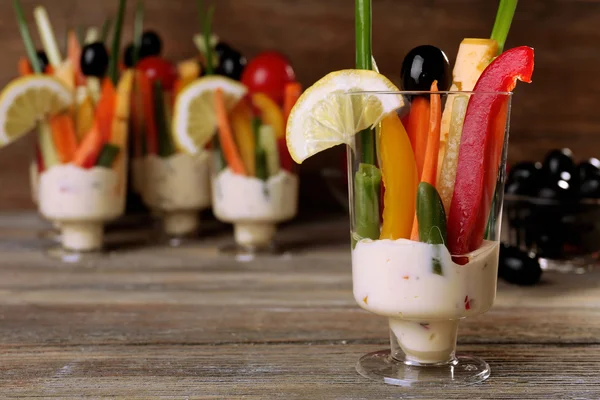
(113, 63)
(26, 36)
(49, 154)
(261, 157)
(504, 17)
(219, 159)
(107, 156)
(268, 142)
(206, 30)
(165, 145)
(366, 201)
(138, 31)
(47, 35)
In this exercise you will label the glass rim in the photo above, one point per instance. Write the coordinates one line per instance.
(428, 92)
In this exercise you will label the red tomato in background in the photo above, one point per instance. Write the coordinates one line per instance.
(157, 68)
(268, 73)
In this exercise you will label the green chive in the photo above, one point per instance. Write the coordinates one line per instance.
(107, 156)
(138, 28)
(504, 17)
(106, 30)
(113, 64)
(29, 46)
(207, 35)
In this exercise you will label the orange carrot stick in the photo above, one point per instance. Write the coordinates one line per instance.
(24, 67)
(74, 54)
(105, 109)
(87, 153)
(145, 87)
(230, 151)
(292, 92)
(418, 126)
(430, 160)
(64, 137)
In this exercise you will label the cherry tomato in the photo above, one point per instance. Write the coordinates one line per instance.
(157, 68)
(268, 73)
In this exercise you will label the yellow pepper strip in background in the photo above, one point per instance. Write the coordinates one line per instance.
(241, 123)
(400, 179)
(270, 112)
(448, 169)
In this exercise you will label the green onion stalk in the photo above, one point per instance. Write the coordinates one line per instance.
(113, 64)
(26, 36)
(138, 29)
(105, 30)
(367, 181)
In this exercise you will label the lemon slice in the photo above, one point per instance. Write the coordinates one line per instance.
(326, 115)
(194, 117)
(28, 99)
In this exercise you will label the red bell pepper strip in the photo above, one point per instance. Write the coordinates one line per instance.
(481, 146)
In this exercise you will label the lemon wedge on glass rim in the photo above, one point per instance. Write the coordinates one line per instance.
(194, 116)
(27, 100)
(326, 115)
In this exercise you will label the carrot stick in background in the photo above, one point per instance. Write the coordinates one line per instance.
(292, 92)
(230, 151)
(418, 127)
(88, 151)
(74, 54)
(430, 159)
(24, 67)
(64, 137)
(105, 109)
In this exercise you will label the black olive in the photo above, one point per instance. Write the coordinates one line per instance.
(42, 60)
(151, 44)
(231, 64)
(222, 48)
(94, 59)
(517, 267)
(588, 168)
(590, 188)
(423, 65)
(559, 162)
(556, 189)
(128, 56)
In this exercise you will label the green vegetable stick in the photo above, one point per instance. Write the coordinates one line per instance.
(113, 63)
(504, 17)
(219, 159)
(105, 30)
(268, 142)
(107, 156)
(47, 148)
(432, 220)
(367, 188)
(261, 158)
(207, 35)
(26, 36)
(138, 31)
(165, 145)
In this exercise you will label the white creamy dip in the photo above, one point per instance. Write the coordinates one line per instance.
(254, 206)
(81, 200)
(397, 279)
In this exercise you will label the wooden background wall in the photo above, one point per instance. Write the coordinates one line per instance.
(561, 107)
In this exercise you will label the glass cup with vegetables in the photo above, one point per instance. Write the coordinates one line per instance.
(426, 176)
(254, 184)
(80, 110)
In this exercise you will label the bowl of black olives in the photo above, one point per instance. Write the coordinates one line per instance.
(552, 210)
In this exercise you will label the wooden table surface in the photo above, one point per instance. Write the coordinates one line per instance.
(183, 323)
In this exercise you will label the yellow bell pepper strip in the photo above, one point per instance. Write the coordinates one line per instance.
(399, 174)
(84, 117)
(269, 145)
(270, 113)
(432, 149)
(241, 123)
(481, 148)
(230, 151)
(450, 161)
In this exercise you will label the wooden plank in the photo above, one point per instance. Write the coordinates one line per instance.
(281, 371)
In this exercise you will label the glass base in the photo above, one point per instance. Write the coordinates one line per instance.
(73, 256)
(247, 253)
(575, 266)
(464, 370)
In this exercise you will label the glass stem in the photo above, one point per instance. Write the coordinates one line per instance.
(423, 343)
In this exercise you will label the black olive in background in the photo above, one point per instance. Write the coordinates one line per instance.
(231, 64)
(517, 267)
(557, 162)
(423, 65)
(588, 168)
(128, 56)
(42, 60)
(524, 171)
(552, 189)
(590, 188)
(94, 60)
(151, 44)
(222, 48)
